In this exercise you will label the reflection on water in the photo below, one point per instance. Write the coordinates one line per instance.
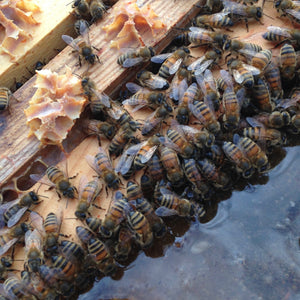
(242, 253)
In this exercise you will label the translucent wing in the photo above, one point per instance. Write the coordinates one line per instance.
(6, 247)
(177, 90)
(3, 208)
(82, 184)
(149, 154)
(203, 66)
(150, 123)
(156, 82)
(104, 99)
(294, 13)
(254, 123)
(130, 62)
(163, 211)
(70, 41)
(16, 217)
(84, 32)
(238, 77)
(195, 64)
(115, 111)
(38, 178)
(227, 78)
(252, 69)
(279, 31)
(37, 222)
(33, 238)
(133, 87)
(160, 58)
(174, 68)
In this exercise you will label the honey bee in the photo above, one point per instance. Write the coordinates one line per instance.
(135, 57)
(115, 215)
(133, 191)
(123, 246)
(141, 227)
(171, 204)
(258, 132)
(194, 177)
(171, 61)
(5, 96)
(9, 237)
(157, 225)
(177, 141)
(276, 119)
(64, 267)
(262, 96)
(218, 178)
(14, 288)
(170, 162)
(94, 224)
(257, 157)
(147, 185)
(156, 118)
(238, 158)
(179, 84)
(138, 154)
(183, 114)
(208, 86)
(102, 165)
(237, 47)
(212, 6)
(242, 73)
(232, 103)
(288, 8)
(155, 168)
(96, 127)
(77, 25)
(143, 97)
(11, 212)
(99, 252)
(82, 9)
(89, 191)
(82, 45)
(71, 249)
(84, 234)
(97, 10)
(209, 59)
(261, 59)
(49, 229)
(152, 81)
(5, 263)
(287, 61)
(280, 35)
(216, 20)
(204, 112)
(273, 78)
(242, 12)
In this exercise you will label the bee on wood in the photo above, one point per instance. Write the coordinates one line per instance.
(152, 81)
(281, 35)
(82, 9)
(82, 45)
(217, 20)
(96, 127)
(261, 59)
(5, 97)
(289, 8)
(97, 10)
(135, 57)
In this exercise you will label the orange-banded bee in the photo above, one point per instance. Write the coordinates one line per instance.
(96, 127)
(71, 249)
(156, 118)
(258, 132)
(11, 212)
(261, 59)
(171, 62)
(155, 168)
(238, 158)
(103, 166)
(82, 45)
(138, 154)
(135, 57)
(207, 84)
(94, 224)
(152, 81)
(34, 250)
(194, 177)
(88, 192)
(218, 178)
(287, 61)
(177, 141)
(101, 256)
(5, 96)
(276, 119)
(143, 97)
(115, 215)
(133, 191)
(156, 223)
(123, 246)
(262, 96)
(242, 73)
(255, 154)
(8, 237)
(171, 164)
(172, 204)
(288, 8)
(183, 113)
(49, 230)
(273, 78)
(226, 81)
(84, 234)
(179, 84)
(232, 103)
(64, 267)
(141, 227)
(239, 12)
(217, 20)
(204, 62)
(204, 112)
(280, 35)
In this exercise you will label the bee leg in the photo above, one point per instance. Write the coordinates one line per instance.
(99, 207)
(73, 177)
(246, 21)
(65, 235)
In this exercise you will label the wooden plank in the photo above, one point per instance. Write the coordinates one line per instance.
(18, 151)
(55, 19)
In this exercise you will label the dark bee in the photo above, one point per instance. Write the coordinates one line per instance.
(123, 246)
(261, 95)
(287, 61)
(84, 234)
(135, 57)
(63, 266)
(273, 78)
(97, 10)
(5, 264)
(96, 127)
(82, 9)
(155, 168)
(72, 249)
(276, 119)
(171, 61)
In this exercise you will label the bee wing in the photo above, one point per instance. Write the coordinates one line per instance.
(168, 143)
(33, 238)
(138, 107)
(203, 67)
(240, 95)
(150, 123)
(6, 247)
(227, 78)
(238, 77)
(70, 41)
(115, 112)
(156, 82)
(294, 13)
(234, 7)
(253, 70)
(130, 62)
(163, 211)
(149, 154)
(16, 217)
(38, 178)
(197, 29)
(219, 16)
(104, 99)
(84, 32)
(279, 31)
(158, 59)
(133, 87)
(254, 123)
(201, 82)
(3, 208)
(285, 103)
(37, 222)
(177, 90)
(82, 183)
(195, 64)
(174, 68)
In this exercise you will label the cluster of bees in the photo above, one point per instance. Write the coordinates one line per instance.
(204, 133)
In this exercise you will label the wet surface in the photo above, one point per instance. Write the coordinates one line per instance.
(249, 250)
